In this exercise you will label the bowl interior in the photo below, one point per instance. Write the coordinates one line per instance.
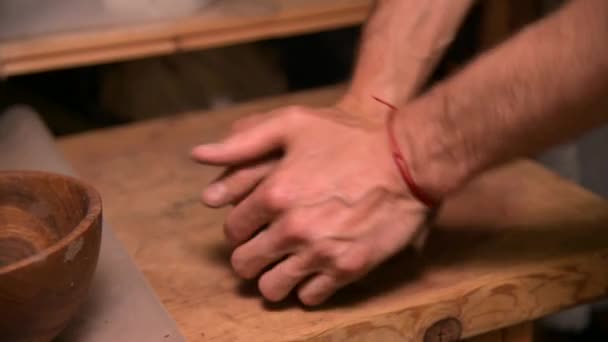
(36, 211)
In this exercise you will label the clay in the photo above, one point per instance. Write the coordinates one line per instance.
(50, 233)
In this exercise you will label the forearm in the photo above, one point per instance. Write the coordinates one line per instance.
(401, 44)
(545, 86)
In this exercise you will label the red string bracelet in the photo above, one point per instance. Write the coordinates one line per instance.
(402, 166)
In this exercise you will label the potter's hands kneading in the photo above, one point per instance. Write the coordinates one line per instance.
(316, 194)
(319, 201)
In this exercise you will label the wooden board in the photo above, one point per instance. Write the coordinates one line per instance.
(519, 243)
(519, 333)
(38, 36)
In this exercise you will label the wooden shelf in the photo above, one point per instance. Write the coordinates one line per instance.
(47, 38)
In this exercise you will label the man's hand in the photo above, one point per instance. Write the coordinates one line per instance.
(319, 201)
(321, 183)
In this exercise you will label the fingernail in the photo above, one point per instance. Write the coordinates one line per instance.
(215, 194)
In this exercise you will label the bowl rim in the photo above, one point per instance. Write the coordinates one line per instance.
(93, 212)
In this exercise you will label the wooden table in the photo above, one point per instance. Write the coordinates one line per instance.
(517, 244)
(38, 36)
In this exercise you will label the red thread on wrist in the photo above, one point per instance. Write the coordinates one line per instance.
(400, 162)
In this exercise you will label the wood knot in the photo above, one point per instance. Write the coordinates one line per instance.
(446, 330)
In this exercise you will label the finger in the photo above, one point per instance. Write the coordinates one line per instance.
(255, 211)
(236, 183)
(265, 249)
(249, 121)
(277, 283)
(269, 246)
(246, 145)
(318, 289)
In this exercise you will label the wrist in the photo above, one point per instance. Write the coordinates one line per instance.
(362, 105)
(432, 143)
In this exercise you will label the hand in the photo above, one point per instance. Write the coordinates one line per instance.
(324, 213)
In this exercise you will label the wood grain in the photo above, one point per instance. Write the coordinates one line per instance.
(50, 234)
(32, 49)
(22, 234)
(517, 244)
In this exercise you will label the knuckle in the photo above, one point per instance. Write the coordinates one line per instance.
(351, 266)
(294, 228)
(268, 290)
(322, 252)
(293, 113)
(239, 265)
(317, 295)
(231, 232)
(294, 110)
(276, 197)
(294, 274)
(307, 299)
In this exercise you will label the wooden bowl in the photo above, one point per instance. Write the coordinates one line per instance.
(50, 234)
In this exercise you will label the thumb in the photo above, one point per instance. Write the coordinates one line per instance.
(246, 145)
